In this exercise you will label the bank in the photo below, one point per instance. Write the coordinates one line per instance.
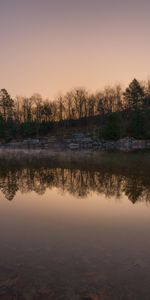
(78, 142)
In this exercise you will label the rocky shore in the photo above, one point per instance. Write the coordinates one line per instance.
(78, 143)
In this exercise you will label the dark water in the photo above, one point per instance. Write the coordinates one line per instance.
(76, 229)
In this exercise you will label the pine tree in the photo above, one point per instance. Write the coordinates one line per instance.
(134, 94)
(6, 105)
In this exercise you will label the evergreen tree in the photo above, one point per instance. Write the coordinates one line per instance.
(134, 94)
(6, 105)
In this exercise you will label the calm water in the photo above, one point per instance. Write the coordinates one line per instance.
(75, 230)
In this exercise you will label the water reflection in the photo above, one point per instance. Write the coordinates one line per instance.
(70, 248)
(115, 176)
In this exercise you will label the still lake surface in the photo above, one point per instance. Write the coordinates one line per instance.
(75, 229)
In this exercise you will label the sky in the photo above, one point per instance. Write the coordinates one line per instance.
(51, 46)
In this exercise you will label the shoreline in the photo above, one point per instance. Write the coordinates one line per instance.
(77, 144)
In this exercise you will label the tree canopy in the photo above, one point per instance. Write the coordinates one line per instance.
(115, 108)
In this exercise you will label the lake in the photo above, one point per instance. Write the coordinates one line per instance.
(75, 229)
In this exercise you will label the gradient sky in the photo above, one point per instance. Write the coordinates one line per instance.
(50, 46)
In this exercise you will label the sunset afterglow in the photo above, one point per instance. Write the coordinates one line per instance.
(52, 46)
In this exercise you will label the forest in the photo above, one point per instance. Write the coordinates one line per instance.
(111, 178)
(112, 113)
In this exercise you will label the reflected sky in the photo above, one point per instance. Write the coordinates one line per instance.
(61, 243)
(94, 208)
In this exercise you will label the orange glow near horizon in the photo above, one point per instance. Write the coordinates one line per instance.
(52, 46)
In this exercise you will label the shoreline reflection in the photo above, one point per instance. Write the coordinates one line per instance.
(110, 179)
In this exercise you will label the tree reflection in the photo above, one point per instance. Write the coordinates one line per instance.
(77, 181)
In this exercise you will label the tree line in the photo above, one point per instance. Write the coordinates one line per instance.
(31, 116)
(79, 183)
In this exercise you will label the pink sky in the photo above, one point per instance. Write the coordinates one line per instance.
(51, 46)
